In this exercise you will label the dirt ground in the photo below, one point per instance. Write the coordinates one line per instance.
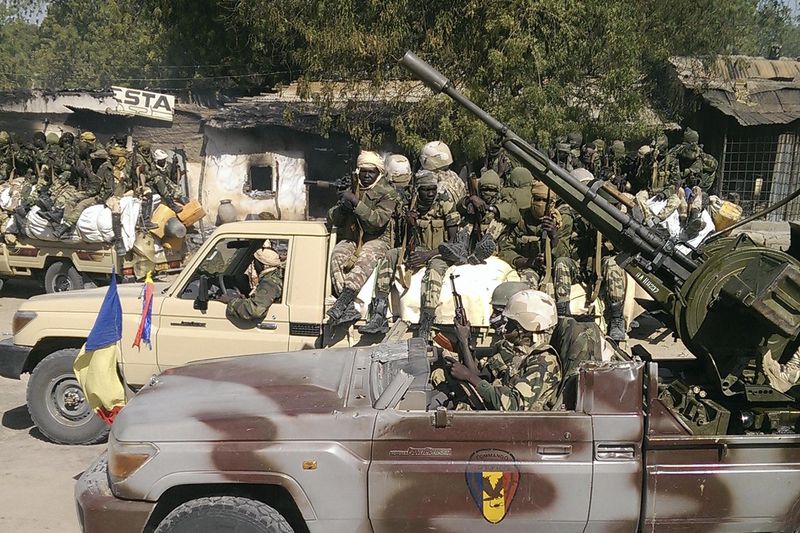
(37, 477)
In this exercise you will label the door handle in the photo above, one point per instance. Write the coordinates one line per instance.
(554, 449)
(615, 452)
(267, 325)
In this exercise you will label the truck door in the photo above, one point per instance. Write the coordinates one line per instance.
(186, 334)
(480, 471)
(719, 482)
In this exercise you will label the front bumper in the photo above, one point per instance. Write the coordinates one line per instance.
(99, 511)
(12, 358)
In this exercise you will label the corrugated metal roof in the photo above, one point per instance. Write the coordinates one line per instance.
(753, 90)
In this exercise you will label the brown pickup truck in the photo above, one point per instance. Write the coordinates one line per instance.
(343, 440)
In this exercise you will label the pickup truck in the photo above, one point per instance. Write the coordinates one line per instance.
(69, 265)
(189, 324)
(344, 440)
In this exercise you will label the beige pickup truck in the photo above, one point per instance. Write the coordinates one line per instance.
(189, 323)
(69, 265)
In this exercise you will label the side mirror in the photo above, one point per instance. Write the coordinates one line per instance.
(201, 302)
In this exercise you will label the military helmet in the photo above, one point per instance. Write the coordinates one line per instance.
(600, 145)
(435, 155)
(534, 310)
(690, 136)
(520, 177)
(425, 178)
(644, 150)
(159, 155)
(5, 138)
(618, 149)
(490, 178)
(99, 154)
(575, 138)
(662, 143)
(40, 136)
(66, 138)
(88, 136)
(52, 138)
(503, 292)
(398, 168)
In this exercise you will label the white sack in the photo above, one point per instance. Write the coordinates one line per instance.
(38, 227)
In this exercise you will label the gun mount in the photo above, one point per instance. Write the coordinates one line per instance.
(730, 302)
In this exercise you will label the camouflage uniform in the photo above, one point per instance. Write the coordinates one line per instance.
(254, 309)
(6, 162)
(520, 378)
(372, 214)
(518, 187)
(501, 214)
(436, 158)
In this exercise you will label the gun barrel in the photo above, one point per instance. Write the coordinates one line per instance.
(626, 233)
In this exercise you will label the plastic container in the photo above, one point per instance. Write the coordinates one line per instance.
(192, 212)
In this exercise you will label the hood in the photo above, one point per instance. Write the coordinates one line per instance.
(88, 300)
(305, 395)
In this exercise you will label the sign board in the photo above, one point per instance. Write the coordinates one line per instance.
(144, 103)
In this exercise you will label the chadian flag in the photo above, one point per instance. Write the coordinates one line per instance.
(96, 364)
(143, 333)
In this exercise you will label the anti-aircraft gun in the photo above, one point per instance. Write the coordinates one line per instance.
(731, 302)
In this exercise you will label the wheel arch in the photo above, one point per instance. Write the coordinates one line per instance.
(270, 491)
(48, 345)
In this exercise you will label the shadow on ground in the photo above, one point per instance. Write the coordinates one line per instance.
(17, 418)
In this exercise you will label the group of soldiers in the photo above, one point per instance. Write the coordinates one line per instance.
(398, 221)
(63, 175)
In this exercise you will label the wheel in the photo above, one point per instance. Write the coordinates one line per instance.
(62, 276)
(57, 405)
(224, 513)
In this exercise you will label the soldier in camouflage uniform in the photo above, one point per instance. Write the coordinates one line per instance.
(434, 220)
(6, 159)
(362, 220)
(523, 248)
(254, 308)
(524, 372)
(518, 187)
(688, 165)
(158, 179)
(436, 159)
(114, 183)
(495, 210)
(578, 263)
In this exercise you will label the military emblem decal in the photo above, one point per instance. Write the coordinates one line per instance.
(492, 479)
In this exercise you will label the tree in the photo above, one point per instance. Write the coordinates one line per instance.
(18, 39)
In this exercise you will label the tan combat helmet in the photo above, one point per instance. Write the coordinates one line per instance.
(398, 168)
(435, 155)
(534, 310)
(583, 175)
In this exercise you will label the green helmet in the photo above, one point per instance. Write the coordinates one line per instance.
(618, 149)
(690, 136)
(520, 177)
(52, 138)
(503, 292)
(575, 138)
(662, 143)
(5, 138)
(490, 178)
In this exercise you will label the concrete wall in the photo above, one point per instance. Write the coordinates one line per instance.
(765, 233)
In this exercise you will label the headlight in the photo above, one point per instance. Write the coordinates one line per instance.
(125, 458)
(20, 320)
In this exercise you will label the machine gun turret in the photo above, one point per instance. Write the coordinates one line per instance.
(730, 303)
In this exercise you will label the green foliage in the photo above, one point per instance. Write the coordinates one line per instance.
(542, 66)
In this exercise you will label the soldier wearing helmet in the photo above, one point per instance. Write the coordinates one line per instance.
(159, 181)
(268, 269)
(436, 158)
(362, 218)
(398, 170)
(432, 221)
(524, 372)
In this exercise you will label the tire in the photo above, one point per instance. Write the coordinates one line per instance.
(61, 276)
(57, 405)
(224, 513)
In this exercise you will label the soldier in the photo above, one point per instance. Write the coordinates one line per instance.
(689, 166)
(524, 247)
(398, 170)
(158, 179)
(114, 184)
(519, 188)
(269, 269)
(436, 158)
(581, 264)
(524, 372)
(495, 210)
(68, 204)
(6, 158)
(362, 218)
